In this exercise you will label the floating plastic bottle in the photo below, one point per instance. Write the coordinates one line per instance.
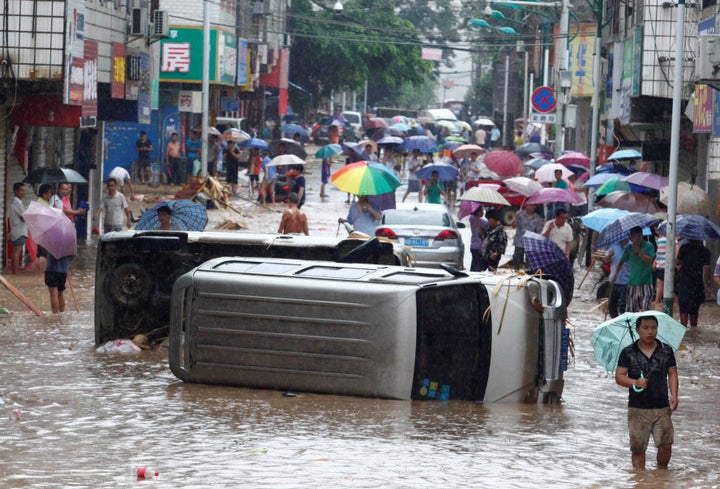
(146, 473)
(15, 415)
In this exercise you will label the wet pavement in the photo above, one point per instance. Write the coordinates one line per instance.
(90, 420)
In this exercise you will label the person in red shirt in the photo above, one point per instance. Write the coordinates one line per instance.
(254, 167)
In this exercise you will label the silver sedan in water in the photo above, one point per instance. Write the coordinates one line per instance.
(429, 230)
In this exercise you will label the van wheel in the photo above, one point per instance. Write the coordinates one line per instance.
(507, 216)
(129, 284)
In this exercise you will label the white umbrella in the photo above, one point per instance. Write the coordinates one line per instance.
(286, 159)
(484, 195)
(691, 199)
(546, 173)
(483, 121)
(523, 185)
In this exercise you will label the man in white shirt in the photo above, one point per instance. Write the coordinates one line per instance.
(122, 177)
(117, 214)
(414, 164)
(559, 231)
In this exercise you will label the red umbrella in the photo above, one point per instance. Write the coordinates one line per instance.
(629, 201)
(375, 123)
(504, 163)
(548, 195)
(574, 158)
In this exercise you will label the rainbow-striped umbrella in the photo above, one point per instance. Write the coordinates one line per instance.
(365, 178)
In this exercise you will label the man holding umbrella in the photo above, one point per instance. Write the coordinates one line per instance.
(645, 368)
(640, 256)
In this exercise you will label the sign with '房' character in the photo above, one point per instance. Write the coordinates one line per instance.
(181, 56)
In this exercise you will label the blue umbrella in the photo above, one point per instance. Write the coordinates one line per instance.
(446, 172)
(186, 214)
(599, 179)
(612, 336)
(620, 229)
(537, 163)
(544, 255)
(694, 227)
(597, 220)
(390, 140)
(355, 150)
(254, 143)
(451, 145)
(424, 144)
(577, 169)
(615, 167)
(625, 154)
(401, 126)
(328, 151)
(293, 129)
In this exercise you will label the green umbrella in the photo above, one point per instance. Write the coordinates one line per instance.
(611, 186)
(328, 151)
(612, 336)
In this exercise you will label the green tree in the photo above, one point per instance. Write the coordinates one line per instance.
(367, 42)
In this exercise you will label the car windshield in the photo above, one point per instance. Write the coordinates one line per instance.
(355, 119)
(417, 217)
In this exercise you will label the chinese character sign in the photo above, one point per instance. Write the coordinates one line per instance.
(581, 61)
(175, 57)
(181, 56)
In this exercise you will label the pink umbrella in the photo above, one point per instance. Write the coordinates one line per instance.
(553, 194)
(574, 158)
(51, 229)
(649, 180)
(465, 150)
(504, 163)
(629, 201)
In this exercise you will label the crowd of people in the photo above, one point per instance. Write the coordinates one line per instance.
(54, 268)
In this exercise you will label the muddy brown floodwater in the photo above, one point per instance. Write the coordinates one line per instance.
(90, 420)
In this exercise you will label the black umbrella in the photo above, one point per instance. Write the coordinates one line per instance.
(529, 148)
(54, 175)
(292, 147)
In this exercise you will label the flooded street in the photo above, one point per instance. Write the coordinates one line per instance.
(90, 420)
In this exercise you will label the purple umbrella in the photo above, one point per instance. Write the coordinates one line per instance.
(544, 255)
(51, 229)
(549, 195)
(468, 207)
(648, 180)
(446, 172)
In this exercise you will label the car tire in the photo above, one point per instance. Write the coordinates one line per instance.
(129, 285)
(507, 215)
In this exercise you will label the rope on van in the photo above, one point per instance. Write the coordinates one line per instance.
(521, 283)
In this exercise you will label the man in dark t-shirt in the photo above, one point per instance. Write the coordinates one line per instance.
(144, 146)
(647, 368)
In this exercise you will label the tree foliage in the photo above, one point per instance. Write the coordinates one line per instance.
(367, 42)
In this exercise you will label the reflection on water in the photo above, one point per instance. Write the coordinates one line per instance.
(89, 420)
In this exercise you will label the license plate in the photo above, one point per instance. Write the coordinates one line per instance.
(416, 242)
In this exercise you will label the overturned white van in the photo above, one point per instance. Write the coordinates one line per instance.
(369, 330)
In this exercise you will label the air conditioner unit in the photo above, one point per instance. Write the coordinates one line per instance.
(258, 8)
(139, 22)
(707, 64)
(160, 23)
